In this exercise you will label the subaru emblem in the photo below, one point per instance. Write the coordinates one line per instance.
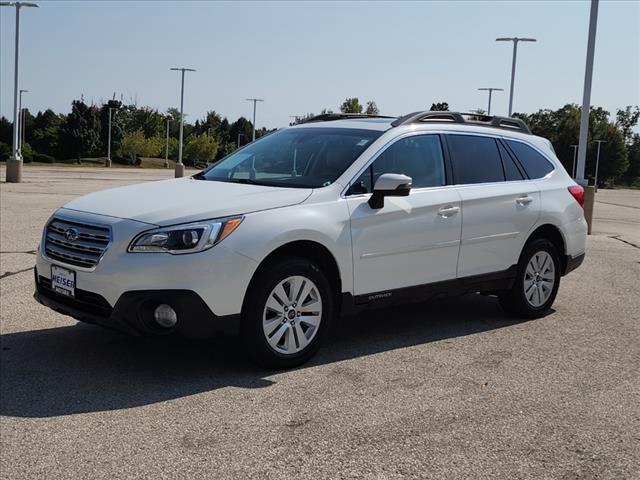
(71, 234)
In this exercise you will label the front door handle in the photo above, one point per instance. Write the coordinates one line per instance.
(446, 212)
(524, 200)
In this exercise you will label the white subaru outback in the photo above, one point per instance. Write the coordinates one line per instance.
(332, 216)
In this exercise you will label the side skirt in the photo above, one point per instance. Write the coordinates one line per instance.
(485, 283)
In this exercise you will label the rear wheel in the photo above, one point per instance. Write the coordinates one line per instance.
(537, 280)
(287, 312)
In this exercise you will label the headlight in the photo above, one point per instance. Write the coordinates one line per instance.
(187, 238)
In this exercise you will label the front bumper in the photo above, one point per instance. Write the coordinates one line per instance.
(133, 312)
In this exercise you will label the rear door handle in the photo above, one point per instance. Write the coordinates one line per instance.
(449, 211)
(524, 200)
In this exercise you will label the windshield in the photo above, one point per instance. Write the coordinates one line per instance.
(296, 157)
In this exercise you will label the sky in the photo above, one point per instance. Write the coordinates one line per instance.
(302, 57)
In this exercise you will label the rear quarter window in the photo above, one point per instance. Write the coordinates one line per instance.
(533, 162)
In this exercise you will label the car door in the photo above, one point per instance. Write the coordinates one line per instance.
(411, 240)
(500, 206)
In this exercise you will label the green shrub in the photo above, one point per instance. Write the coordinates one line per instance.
(27, 153)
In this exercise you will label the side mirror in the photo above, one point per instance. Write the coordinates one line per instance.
(389, 185)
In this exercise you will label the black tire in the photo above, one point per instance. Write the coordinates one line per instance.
(514, 301)
(261, 287)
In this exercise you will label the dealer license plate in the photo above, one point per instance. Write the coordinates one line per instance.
(63, 281)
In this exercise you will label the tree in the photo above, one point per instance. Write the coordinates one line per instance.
(6, 131)
(242, 127)
(149, 120)
(627, 119)
(47, 127)
(81, 131)
(633, 172)
(117, 125)
(135, 145)
(200, 149)
(372, 108)
(614, 161)
(351, 105)
(439, 107)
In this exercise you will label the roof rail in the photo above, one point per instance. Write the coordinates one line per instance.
(506, 123)
(326, 117)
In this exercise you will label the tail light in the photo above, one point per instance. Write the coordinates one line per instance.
(577, 192)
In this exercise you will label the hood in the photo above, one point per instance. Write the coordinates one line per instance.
(186, 200)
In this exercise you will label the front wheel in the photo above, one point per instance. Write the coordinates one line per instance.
(537, 280)
(287, 312)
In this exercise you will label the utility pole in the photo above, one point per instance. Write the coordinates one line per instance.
(179, 171)
(109, 140)
(491, 90)
(515, 41)
(573, 166)
(254, 100)
(589, 192)
(595, 180)
(166, 151)
(14, 163)
(586, 95)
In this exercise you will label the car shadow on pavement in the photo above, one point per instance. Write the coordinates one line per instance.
(82, 368)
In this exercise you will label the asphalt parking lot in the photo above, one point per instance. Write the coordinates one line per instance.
(449, 390)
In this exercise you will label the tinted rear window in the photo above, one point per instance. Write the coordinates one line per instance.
(475, 159)
(534, 163)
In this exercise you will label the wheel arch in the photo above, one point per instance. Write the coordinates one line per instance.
(554, 235)
(308, 249)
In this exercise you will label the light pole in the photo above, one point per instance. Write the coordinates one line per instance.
(491, 90)
(573, 166)
(14, 164)
(20, 121)
(109, 140)
(240, 135)
(166, 151)
(179, 172)
(595, 181)
(515, 41)
(586, 94)
(254, 100)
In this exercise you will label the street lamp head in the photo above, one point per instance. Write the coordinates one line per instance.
(515, 39)
(492, 89)
(181, 69)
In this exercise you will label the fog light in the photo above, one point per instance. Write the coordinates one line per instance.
(165, 316)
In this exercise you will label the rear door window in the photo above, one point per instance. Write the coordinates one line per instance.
(476, 159)
(533, 162)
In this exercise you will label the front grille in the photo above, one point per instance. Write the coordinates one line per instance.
(75, 243)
